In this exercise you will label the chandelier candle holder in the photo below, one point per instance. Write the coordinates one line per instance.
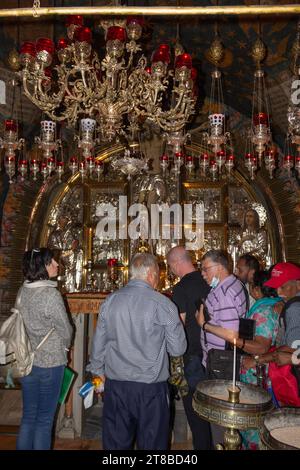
(99, 168)
(216, 140)
(176, 140)
(251, 164)
(164, 163)
(259, 134)
(294, 125)
(48, 143)
(204, 163)
(10, 143)
(178, 162)
(112, 272)
(34, 168)
(82, 170)
(73, 165)
(297, 164)
(130, 165)
(60, 169)
(189, 164)
(294, 108)
(86, 139)
(213, 169)
(288, 164)
(270, 162)
(216, 137)
(293, 112)
(229, 163)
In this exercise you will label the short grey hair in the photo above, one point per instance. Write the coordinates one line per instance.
(141, 264)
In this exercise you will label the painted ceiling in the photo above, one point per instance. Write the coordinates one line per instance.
(196, 34)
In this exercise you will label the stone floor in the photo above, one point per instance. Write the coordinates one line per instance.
(11, 411)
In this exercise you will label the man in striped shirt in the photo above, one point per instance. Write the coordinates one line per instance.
(226, 302)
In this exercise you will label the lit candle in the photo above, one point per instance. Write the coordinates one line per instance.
(234, 364)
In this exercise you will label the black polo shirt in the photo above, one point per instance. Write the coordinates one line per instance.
(187, 295)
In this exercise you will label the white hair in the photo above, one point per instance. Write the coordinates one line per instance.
(141, 264)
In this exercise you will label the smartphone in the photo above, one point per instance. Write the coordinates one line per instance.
(247, 328)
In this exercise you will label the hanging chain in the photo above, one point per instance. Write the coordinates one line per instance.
(36, 5)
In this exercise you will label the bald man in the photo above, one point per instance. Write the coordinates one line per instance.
(188, 295)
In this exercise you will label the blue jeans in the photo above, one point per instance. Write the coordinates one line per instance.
(40, 391)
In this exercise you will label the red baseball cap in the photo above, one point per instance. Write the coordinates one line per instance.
(282, 273)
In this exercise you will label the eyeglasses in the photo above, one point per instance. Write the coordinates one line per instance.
(208, 267)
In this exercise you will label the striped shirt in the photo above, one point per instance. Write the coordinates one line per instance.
(292, 318)
(137, 328)
(226, 304)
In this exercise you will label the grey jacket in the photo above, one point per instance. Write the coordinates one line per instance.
(42, 307)
(136, 330)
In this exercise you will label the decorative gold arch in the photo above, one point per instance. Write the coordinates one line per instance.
(53, 196)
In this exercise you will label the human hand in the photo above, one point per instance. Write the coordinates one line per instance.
(98, 382)
(200, 316)
(248, 362)
(282, 358)
(231, 335)
(278, 307)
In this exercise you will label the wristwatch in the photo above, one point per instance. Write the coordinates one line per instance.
(256, 358)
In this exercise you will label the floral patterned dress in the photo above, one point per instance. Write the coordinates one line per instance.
(267, 326)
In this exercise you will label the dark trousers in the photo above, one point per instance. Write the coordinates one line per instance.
(201, 433)
(135, 410)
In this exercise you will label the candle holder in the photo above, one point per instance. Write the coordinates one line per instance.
(89, 275)
(112, 273)
(244, 408)
(234, 394)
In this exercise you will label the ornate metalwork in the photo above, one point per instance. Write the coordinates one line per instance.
(280, 419)
(65, 236)
(211, 10)
(211, 402)
(83, 86)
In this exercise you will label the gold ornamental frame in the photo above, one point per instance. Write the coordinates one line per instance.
(258, 194)
(229, 10)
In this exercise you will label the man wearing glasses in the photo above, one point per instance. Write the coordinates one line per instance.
(226, 303)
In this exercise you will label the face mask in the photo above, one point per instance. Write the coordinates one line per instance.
(214, 282)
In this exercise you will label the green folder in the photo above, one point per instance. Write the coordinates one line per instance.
(68, 379)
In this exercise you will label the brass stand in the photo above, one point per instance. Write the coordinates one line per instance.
(234, 394)
(232, 438)
(244, 408)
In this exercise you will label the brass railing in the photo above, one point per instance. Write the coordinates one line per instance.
(230, 10)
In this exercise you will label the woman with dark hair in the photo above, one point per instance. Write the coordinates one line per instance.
(266, 329)
(43, 309)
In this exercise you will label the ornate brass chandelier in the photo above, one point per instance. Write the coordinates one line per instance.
(118, 92)
(217, 140)
(291, 158)
(105, 100)
(259, 149)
